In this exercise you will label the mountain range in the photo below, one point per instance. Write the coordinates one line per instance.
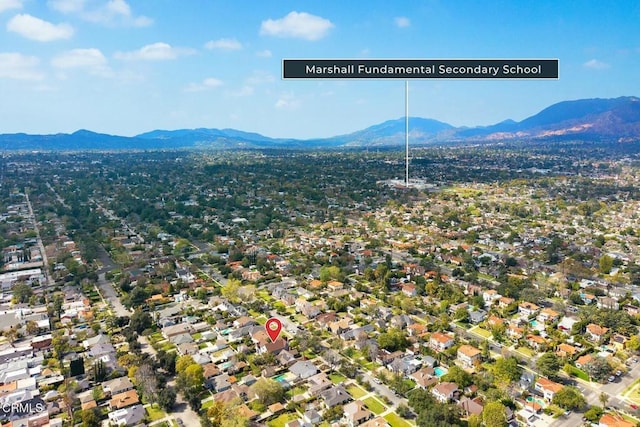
(616, 119)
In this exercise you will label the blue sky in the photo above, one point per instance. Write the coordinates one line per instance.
(127, 67)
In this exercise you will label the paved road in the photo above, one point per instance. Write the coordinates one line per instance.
(383, 390)
(182, 410)
(108, 292)
(45, 262)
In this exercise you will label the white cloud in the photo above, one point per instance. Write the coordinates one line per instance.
(37, 29)
(594, 64)
(206, 84)
(91, 60)
(264, 53)
(66, 6)
(20, 67)
(287, 101)
(155, 52)
(260, 77)
(223, 44)
(244, 91)
(297, 25)
(10, 4)
(113, 12)
(402, 21)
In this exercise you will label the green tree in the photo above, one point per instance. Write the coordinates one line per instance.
(606, 264)
(140, 320)
(268, 391)
(167, 398)
(549, 364)
(328, 273)
(494, 415)
(183, 363)
(459, 376)
(598, 369)
(334, 413)
(91, 418)
(21, 293)
(569, 398)
(506, 370)
(231, 289)
(393, 340)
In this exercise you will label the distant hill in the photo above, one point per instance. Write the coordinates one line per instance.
(615, 119)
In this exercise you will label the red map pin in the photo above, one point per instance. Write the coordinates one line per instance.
(273, 327)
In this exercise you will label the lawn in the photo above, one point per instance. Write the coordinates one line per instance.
(155, 413)
(374, 405)
(371, 366)
(395, 420)
(356, 391)
(575, 372)
(282, 420)
(479, 331)
(207, 404)
(168, 346)
(155, 337)
(295, 391)
(337, 378)
(633, 393)
(525, 351)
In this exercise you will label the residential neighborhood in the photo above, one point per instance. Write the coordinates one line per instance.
(141, 297)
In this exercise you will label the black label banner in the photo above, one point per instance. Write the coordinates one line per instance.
(411, 69)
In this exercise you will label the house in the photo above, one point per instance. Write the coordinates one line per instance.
(566, 324)
(596, 332)
(477, 316)
(528, 309)
(489, 296)
(548, 316)
(405, 365)
(355, 413)
(376, 422)
(608, 303)
(312, 417)
(504, 302)
(468, 356)
(566, 350)
(440, 342)
(587, 298)
(618, 341)
(536, 342)
(424, 378)
(335, 396)
(97, 339)
(220, 383)
(303, 369)
(495, 321)
(130, 416)
(124, 399)
(527, 380)
(614, 420)
(445, 391)
(318, 383)
(583, 360)
(547, 388)
(117, 386)
(409, 289)
(515, 332)
(470, 406)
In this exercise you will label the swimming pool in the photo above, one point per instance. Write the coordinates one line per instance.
(280, 378)
(440, 371)
(538, 401)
